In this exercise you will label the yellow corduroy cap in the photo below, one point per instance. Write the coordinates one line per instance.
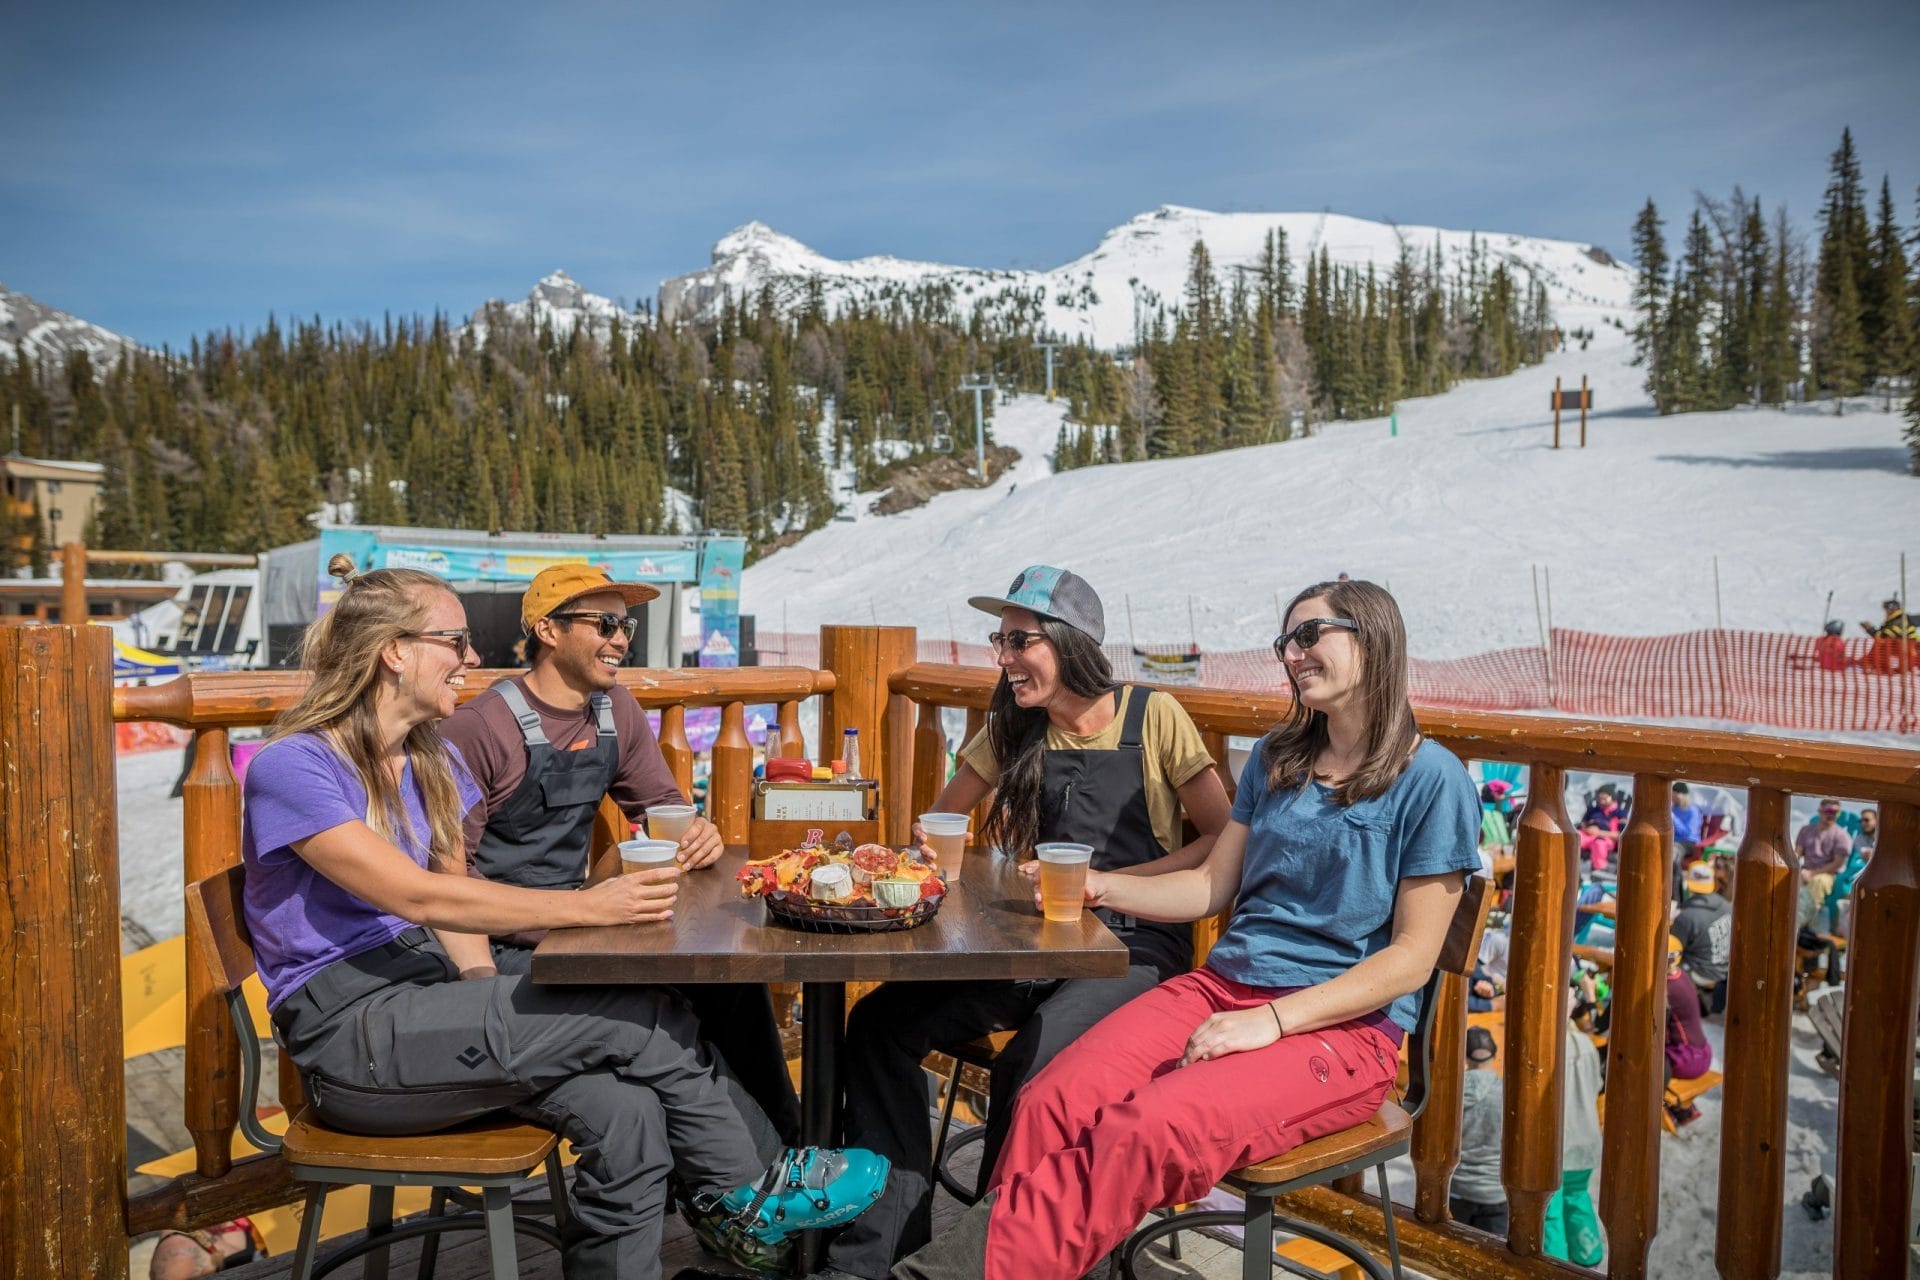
(557, 584)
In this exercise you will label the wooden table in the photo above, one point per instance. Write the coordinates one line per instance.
(987, 928)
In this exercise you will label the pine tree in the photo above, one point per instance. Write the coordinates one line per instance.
(1650, 300)
(1890, 339)
(1843, 353)
(1843, 267)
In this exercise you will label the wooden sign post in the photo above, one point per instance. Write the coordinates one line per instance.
(1581, 400)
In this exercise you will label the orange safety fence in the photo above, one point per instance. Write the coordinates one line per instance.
(1748, 677)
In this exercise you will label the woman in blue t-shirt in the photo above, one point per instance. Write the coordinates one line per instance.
(1343, 863)
(351, 812)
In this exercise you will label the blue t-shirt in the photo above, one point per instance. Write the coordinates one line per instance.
(301, 921)
(1317, 887)
(1686, 824)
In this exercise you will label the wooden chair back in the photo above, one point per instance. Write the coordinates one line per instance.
(1457, 955)
(223, 946)
(221, 940)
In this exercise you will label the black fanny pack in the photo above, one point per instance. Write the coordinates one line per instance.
(410, 957)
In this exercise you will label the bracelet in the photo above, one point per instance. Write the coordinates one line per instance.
(1274, 1009)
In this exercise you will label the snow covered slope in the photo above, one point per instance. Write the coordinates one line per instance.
(1451, 515)
(1142, 264)
(49, 335)
(560, 301)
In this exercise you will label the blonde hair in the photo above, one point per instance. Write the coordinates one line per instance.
(343, 651)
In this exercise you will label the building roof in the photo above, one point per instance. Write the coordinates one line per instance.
(52, 468)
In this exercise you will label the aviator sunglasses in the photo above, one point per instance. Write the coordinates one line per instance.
(605, 623)
(1016, 641)
(1307, 634)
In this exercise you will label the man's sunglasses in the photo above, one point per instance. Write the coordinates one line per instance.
(1017, 641)
(1307, 634)
(461, 638)
(605, 623)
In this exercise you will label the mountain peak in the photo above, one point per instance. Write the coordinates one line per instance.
(47, 334)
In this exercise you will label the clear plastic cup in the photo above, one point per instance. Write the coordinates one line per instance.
(1063, 880)
(947, 835)
(669, 821)
(638, 855)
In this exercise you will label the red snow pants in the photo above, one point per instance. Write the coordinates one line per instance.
(1114, 1127)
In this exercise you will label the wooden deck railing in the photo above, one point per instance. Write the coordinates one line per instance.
(1876, 1089)
(65, 1209)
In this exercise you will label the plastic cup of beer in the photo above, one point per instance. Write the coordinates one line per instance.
(947, 834)
(1063, 880)
(639, 855)
(669, 821)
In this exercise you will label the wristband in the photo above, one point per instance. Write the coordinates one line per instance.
(1275, 1010)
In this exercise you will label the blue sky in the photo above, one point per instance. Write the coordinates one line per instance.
(166, 169)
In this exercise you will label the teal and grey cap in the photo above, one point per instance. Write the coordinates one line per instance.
(1053, 593)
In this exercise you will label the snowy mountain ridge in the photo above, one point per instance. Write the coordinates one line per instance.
(47, 334)
(559, 300)
(1143, 264)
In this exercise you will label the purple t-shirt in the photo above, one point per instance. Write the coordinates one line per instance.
(301, 921)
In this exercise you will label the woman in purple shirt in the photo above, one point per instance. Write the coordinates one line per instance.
(349, 810)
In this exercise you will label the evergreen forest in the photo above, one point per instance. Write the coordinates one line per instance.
(658, 427)
(1746, 312)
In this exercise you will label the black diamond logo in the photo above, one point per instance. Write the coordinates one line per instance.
(471, 1057)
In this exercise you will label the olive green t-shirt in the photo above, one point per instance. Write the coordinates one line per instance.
(1172, 754)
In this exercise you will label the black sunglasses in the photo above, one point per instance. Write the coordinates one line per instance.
(605, 623)
(1015, 640)
(1307, 634)
(462, 638)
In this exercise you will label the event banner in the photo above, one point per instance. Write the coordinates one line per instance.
(506, 561)
(722, 560)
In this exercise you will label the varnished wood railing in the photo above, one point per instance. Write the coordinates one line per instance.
(213, 704)
(1876, 1090)
(56, 818)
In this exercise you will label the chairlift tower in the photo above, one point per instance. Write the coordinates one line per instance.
(979, 384)
(1049, 348)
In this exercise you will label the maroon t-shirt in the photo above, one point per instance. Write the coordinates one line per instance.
(489, 738)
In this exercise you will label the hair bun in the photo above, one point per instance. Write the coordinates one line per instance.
(343, 568)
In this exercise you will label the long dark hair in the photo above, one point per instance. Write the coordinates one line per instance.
(1018, 737)
(1296, 742)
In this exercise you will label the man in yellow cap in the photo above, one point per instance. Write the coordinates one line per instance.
(546, 747)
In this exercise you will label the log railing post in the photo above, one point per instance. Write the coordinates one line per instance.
(1753, 1125)
(675, 749)
(1876, 1062)
(793, 743)
(730, 784)
(73, 584)
(63, 1152)
(1546, 873)
(929, 757)
(863, 661)
(1636, 1033)
(211, 844)
(1436, 1134)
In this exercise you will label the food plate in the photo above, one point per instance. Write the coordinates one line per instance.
(871, 889)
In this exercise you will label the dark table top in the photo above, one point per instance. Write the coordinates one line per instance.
(987, 928)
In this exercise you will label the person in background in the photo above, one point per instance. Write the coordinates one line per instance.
(182, 1255)
(1487, 988)
(1704, 926)
(1572, 1229)
(1477, 1196)
(1689, 1055)
(1894, 640)
(1600, 828)
(1823, 845)
(1869, 836)
(1496, 823)
(1830, 648)
(1686, 835)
